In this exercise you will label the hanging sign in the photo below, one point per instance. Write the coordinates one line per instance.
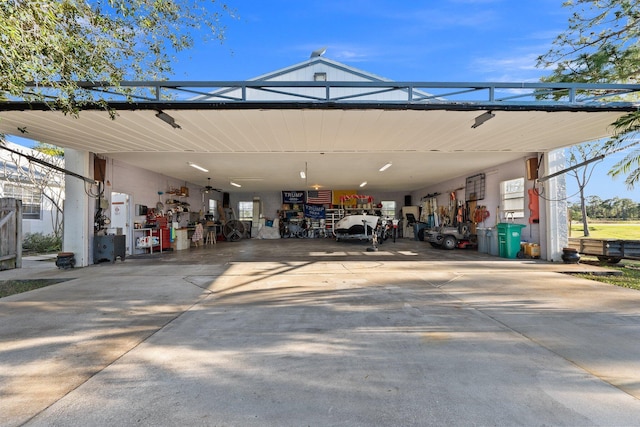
(337, 196)
(319, 197)
(314, 211)
(358, 197)
(293, 196)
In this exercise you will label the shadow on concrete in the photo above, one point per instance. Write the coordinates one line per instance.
(235, 334)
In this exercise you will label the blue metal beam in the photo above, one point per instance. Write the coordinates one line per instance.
(434, 94)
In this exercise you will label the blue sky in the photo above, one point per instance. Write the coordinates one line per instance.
(447, 40)
(444, 40)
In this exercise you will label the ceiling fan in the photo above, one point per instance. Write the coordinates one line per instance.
(208, 188)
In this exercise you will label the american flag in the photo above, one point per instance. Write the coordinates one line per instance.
(319, 197)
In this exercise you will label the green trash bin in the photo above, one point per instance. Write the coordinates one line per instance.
(509, 239)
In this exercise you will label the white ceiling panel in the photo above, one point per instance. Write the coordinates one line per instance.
(342, 148)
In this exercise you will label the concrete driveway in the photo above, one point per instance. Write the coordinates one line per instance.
(313, 332)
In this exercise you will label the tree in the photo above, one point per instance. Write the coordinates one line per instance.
(39, 180)
(58, 43)
(602, 44)
(630, 164)
(575, 212)
(577, 155)
(627, 209)
(594, 208)
(615, 208)
(49, 150)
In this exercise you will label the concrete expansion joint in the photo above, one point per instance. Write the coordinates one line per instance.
(453, 279)
(561, 356)
(359, 266)
(192, 280)
(441, 284)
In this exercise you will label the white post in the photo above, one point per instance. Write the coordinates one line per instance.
(78, 212)
(555, 193)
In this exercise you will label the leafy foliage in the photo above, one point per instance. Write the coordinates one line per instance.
(602, 45)
(630, 165)
(61, 43)
(48, 181)
(610, 209)
(40, 244)
(49, 150)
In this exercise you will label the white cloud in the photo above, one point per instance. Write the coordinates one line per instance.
(513, 69)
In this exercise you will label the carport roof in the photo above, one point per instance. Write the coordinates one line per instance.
(341, 141)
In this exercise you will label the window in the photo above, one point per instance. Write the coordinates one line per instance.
(245, 211)
(388, 208)
(31, 199)
(213, 207)
(512, 196)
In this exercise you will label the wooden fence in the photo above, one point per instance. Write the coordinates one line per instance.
(10, 234)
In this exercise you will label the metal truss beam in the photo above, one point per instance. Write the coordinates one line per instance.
(369, 94)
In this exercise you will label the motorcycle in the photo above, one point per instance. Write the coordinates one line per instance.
(389, 229)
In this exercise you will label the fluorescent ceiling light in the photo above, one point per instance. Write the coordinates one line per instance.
(235, 184)
(246, 178)
(363, 184)
(385, 167)
(200, 168)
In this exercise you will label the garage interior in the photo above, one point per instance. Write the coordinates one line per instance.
(256, 137)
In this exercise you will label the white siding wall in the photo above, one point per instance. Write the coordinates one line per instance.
(306, 74)
(493, 176)
(43, 225)
(143, 186)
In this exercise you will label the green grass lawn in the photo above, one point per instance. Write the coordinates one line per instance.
(10, 287)
(608, 230)
(629, 277)
(629, 269)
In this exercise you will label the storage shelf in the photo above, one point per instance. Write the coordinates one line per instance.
(148, 240)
